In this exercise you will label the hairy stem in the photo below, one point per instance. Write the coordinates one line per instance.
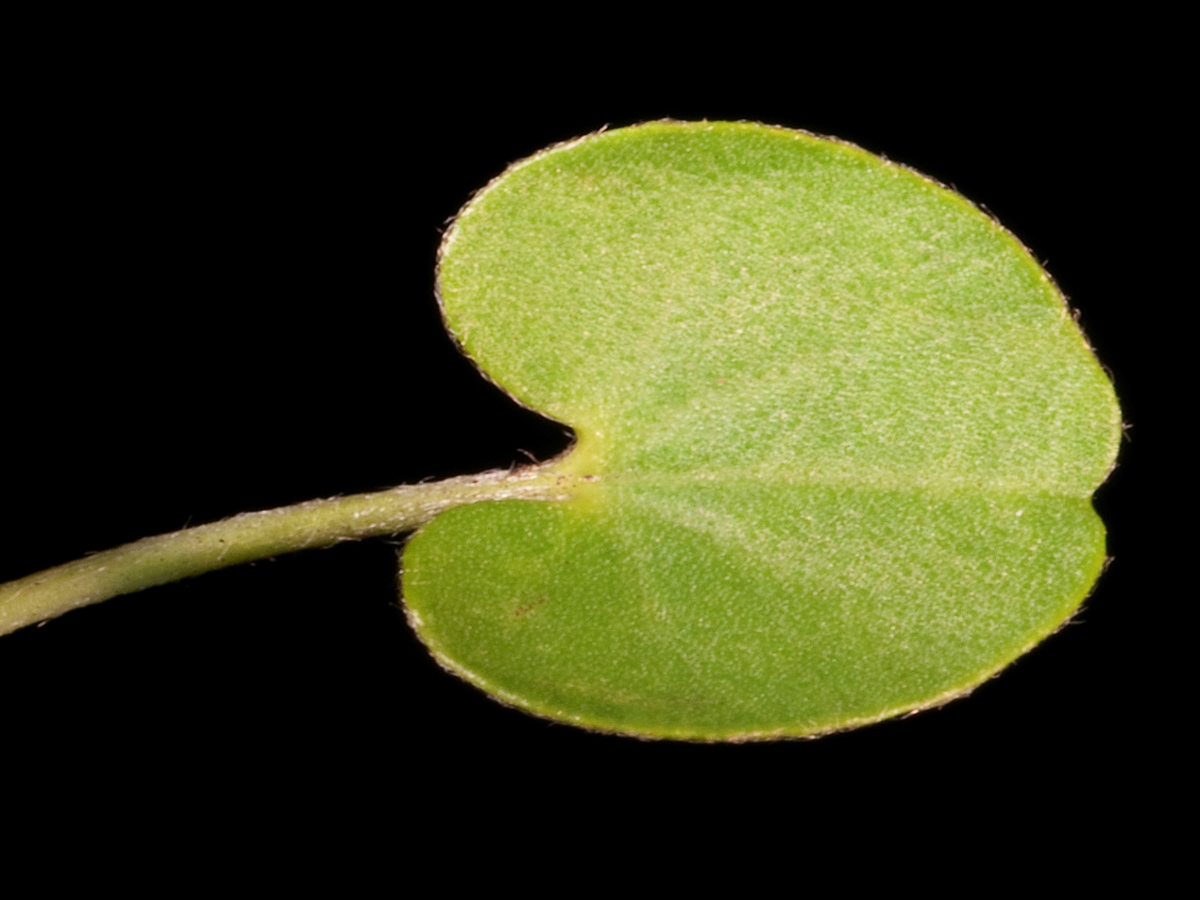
(257, 535)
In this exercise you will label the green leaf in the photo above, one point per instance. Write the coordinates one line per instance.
(837, 435)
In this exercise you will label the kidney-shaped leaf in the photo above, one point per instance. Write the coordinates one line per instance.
(837, 435)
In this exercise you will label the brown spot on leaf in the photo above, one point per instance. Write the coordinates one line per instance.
(526, 608)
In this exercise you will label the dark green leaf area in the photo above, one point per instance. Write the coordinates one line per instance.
(745, 609)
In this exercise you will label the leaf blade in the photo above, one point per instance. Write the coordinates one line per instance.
(754, 330)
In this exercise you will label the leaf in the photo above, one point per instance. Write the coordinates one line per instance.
(837, 435)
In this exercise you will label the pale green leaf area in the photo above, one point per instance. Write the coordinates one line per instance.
(837, 435)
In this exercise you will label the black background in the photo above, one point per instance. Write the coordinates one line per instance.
(224, 301)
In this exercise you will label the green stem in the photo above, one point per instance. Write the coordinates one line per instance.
(250, 536)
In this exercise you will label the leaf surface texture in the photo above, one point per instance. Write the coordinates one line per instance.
(840, 430)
